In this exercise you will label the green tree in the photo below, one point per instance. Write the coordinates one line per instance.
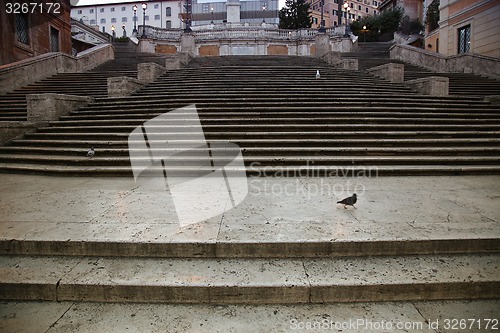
(379, 27)
(432, 16)
(295, 15)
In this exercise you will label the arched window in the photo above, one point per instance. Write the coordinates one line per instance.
(168, 11)
(169, 24)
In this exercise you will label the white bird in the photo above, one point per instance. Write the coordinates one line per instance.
(317, 74)
(91, 152)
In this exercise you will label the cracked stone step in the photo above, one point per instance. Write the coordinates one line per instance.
(250, 281)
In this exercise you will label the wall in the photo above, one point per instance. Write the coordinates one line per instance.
(464, 63)
(481, 15)
(39, 24)
(27, 71)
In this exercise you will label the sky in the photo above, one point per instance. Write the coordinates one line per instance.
(96, 2)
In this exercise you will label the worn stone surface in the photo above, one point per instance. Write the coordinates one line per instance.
(148, 72)
(12, 129)
(432, 85)
(47, 107)
(121, 86)
(392, 72)
(276, 210)
(51, 317)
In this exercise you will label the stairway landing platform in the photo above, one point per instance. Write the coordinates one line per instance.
(280, 217)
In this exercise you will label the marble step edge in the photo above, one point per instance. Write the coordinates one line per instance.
(70, 245)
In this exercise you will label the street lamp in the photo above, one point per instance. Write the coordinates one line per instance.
(113, 31)
(212, 15)
(346, 11)
(124, 31)
(264, 14)
(144, 7)
(135, 19)
(322, 23)
(364, 33)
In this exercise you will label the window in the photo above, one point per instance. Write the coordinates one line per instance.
(157, 6)
(22, 29)
(335, 1)
(335, 12)
(124, 9)
(168, 11)
(92, 22)
(80, 11)
(375, 3)
(464, 39)
(103, 21)
(359, 7)
(54, 40)
(168, 25)
(112, 9)
(205, 8)
(157, 17)
(124, 19)
(101, 10)
(367, 9)
(113, 20)
(91, 11)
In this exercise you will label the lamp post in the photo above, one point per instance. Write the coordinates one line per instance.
(135, 20)
(113, 32)
(212, 9)
(264, 14)
(346, 10)
(124, 31)
(322, 23)
(364, 33)
(188, 16)
(144, 7)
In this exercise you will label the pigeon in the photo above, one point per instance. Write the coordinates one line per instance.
(91, 152)
(349, 201)
(317, 74)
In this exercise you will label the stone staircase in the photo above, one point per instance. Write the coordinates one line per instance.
(375, 54)
(284, 119)
(91, 83)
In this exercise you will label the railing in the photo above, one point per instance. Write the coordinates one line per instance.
(240, 32)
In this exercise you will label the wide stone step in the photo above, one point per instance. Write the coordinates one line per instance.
(269, 142)
(479, 150)
(119, 123)
(193, 160)
(262, 171)
(250, 281)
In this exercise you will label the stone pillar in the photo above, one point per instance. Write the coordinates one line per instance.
(188, 44)
(432, 85)
(322, 45)
(233, 11)
(393, 72)
(148, 72)
(121, 86)
(43, 108)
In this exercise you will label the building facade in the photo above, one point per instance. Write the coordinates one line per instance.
(251, 11)
(121, 18)
(466, 26)
(333, 9)
(38, 31)
(414, 9)
(171, 14)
